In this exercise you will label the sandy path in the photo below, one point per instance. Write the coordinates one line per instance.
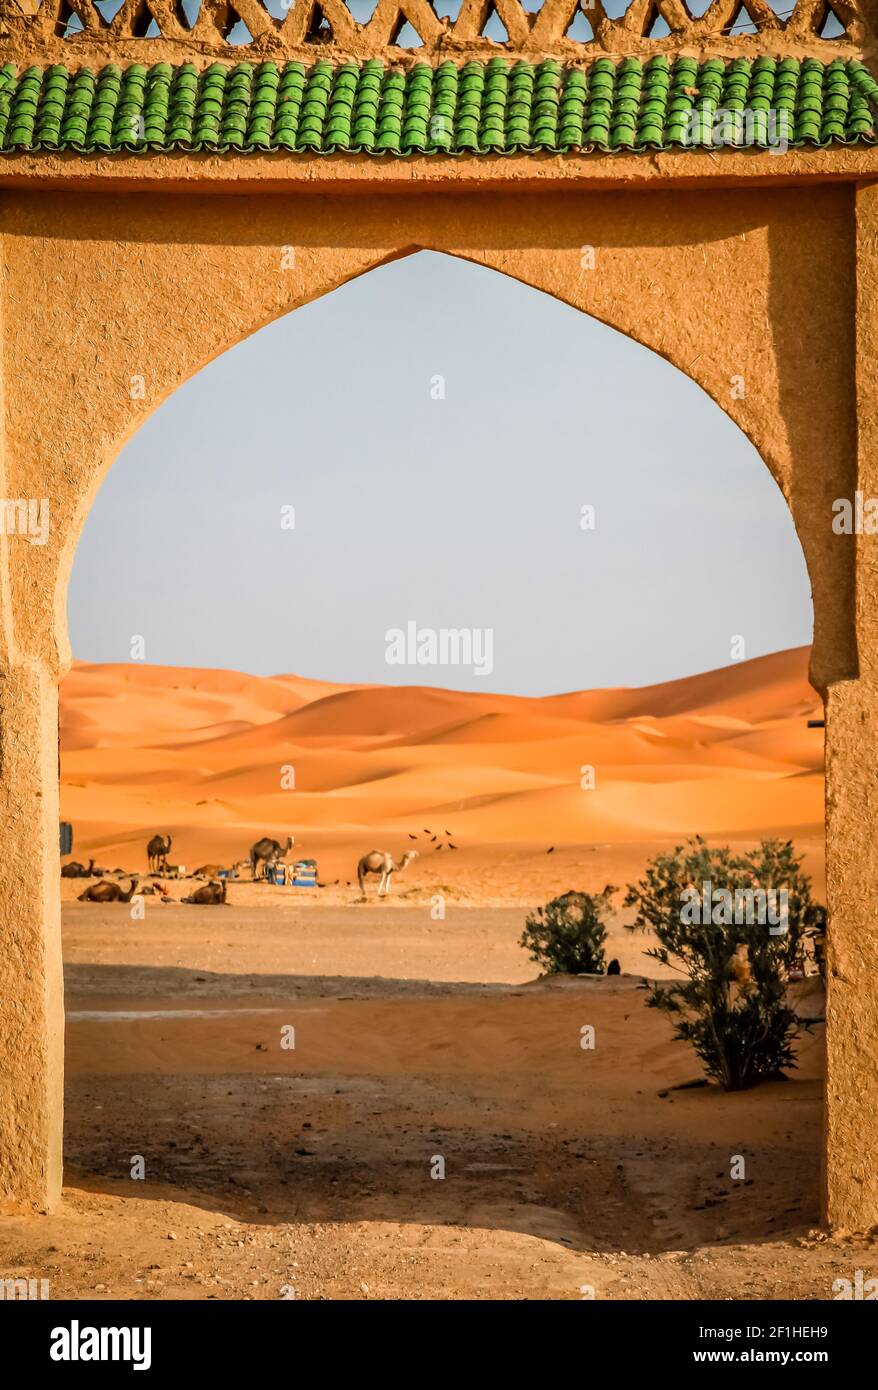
(306, 1172)
(271, 940)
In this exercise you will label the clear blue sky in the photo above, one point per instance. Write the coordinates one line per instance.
(462, 512)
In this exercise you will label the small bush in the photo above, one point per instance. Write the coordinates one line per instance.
(733, 1010)
(566, 937)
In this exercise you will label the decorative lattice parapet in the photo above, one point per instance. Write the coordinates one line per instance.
(94, 31)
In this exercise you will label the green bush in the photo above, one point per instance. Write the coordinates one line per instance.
(566, 937)
(742, 1029)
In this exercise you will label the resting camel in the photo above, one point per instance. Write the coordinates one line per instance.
(77, 870)
(268, 852)
(157, 852)
(217, 870)
(208, 895)
(378, 862)
(108, 893)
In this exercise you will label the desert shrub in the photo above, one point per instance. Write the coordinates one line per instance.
(566, 937)
(743, 1029)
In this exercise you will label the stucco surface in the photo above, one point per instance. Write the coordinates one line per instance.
(280, 172)
(850, 1169)
(773, 287)
(105, 291)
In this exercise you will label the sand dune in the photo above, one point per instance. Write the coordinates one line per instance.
(771, 687)
(203, 754)
(409, 1026)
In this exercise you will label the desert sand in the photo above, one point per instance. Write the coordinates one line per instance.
(202, 755)
(307, 1171)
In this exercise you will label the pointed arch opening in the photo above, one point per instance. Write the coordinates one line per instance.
(428, 443)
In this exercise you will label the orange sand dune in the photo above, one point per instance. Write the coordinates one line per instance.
(770, 687)
(205, 755)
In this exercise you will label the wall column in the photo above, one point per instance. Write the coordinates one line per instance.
(851, 1155)
(31, 981)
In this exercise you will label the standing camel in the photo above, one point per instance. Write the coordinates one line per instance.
(108, 893)
(157, 852)
(378, 862)
(268, 852)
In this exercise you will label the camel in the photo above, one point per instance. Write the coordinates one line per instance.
(77, 870)
(217, 870)
(108, 893)
(268, 852)
(208, 895)
(378, 862)
(157, 852)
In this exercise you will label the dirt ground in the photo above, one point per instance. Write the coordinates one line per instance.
(308, 1163)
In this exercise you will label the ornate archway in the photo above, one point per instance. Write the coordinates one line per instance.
(157, 212)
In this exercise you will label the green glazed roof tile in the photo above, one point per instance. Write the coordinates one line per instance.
(499, 106)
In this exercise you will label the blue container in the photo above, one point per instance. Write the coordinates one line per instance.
(305, 873)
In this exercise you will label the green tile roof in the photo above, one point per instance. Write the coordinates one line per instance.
(499, 106)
